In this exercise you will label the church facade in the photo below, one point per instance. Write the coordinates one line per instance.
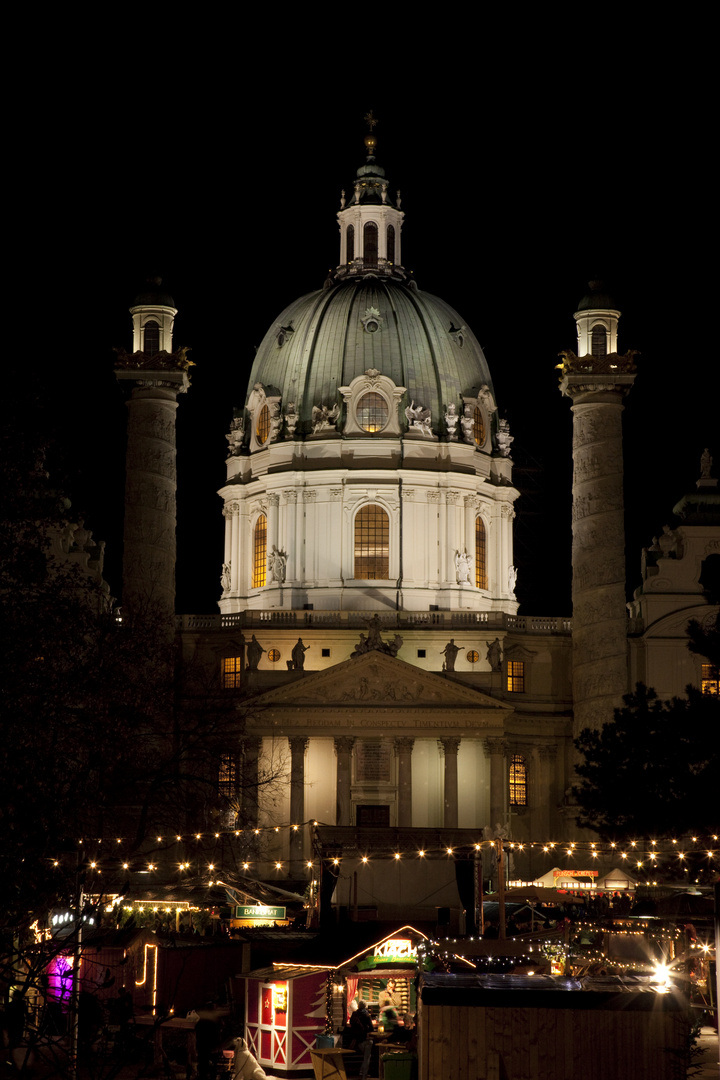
(368, 626)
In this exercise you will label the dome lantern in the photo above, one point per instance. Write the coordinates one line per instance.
(370, 222)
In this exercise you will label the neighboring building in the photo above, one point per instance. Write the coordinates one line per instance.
(368, 621)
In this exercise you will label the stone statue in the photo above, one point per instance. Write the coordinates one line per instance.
(494, 654)
(504, 439)
(291, 418)
(395, 645)
(463, 566)
(342, 199)
(324, 418)
(706, 462)
(485, 396)
(298, 655)
(451, 421)
(254, 653)
(418, 419)
(225, 577)
(467, 423)
(451, 650)
(277, 561)
(512, 579)
(374, 643)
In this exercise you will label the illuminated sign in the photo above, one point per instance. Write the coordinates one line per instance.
(574, 873)
(280, 996)
(396, 949)
(258, 911)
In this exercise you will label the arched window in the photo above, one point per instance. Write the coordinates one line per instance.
(391, 243)
(350, 241)
(370, 244)
(599, 341)
(262, 428)
(151, 338)
(479, 427)
(259, 560)
(518, 781)
(480, 555)
(372, 544)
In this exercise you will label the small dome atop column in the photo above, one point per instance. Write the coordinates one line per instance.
(153, 313)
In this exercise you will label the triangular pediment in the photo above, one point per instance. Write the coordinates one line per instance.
(385, 691)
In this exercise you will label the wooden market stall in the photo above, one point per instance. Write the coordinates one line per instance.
(285, 1011)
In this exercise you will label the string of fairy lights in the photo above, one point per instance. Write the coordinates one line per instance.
(216, 851)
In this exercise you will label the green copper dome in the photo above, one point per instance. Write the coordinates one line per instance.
(326, 339)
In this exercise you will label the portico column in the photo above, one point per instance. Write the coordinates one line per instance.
(298, 746)
(343, 749)
(403, 749)
(249, 802)
(450, 749)
(496, 750)
(545, 756)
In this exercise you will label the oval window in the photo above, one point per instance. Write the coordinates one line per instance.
(372, 412)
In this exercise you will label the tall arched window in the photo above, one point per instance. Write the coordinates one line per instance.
(479, 427)
(518, 781)
(370, 244)
(599, 341)
(480, 555)
(391, 243)
(350, 241)
(372, 544)
(151, 338)
(259, 556)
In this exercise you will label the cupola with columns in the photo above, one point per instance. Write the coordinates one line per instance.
(370, 222)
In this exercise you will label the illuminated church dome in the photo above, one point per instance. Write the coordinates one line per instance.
(368, 468)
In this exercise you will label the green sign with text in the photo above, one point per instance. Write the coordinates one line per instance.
(257, 911)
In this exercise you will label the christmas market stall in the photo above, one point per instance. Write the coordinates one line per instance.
(383, 976)
(285, 1011)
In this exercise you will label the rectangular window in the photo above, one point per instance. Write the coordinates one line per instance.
(710, 679)
(228, 776)
(518, 781)
(516, 676)
(324, 652)
(231, 672)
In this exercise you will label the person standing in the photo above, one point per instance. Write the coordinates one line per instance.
(361, 1026)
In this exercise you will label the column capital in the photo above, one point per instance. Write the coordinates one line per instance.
(449, 745)
(344, 744)
(273, 498)
(546, 750)
(496, 746)
(298, 744)
(403, 744)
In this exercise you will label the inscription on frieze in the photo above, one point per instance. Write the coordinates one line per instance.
(373, 761)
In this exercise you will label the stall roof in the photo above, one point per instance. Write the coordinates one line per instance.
(284, 972)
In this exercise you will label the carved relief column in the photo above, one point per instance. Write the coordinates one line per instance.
(597, 387)
(151, 479)
(250, 777)
(403, 750)
(343, 800)
(298, 746)
(496, 750)
(450, 749)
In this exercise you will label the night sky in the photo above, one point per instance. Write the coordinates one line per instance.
(515, 191)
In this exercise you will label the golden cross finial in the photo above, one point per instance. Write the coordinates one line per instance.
(370, 120)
